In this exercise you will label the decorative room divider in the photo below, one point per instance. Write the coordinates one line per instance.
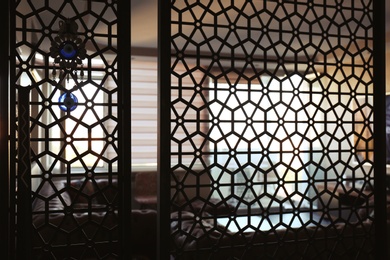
(271, 123)
(267, 115)
(69, 141)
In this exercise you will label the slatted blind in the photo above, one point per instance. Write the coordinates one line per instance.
(144, 113)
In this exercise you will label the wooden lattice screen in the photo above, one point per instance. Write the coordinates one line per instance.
(266, 130)
(272, 129)
(68, 135)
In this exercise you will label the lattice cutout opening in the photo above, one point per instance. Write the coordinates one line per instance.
(74, 149)
(271, 129)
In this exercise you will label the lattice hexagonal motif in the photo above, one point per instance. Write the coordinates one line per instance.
(73, 124)
(278, 141)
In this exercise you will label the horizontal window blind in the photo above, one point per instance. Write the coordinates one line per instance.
(144, 111)
(144, 114)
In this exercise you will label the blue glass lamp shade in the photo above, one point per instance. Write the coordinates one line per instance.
(68, 102)
(68, 50)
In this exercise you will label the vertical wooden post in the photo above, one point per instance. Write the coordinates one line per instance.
(164, 132)
(24, 206)
(379, 79)
(4, 156)
(124, 136)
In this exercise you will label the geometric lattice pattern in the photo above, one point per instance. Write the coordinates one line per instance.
(74, 153)
(271, 129)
